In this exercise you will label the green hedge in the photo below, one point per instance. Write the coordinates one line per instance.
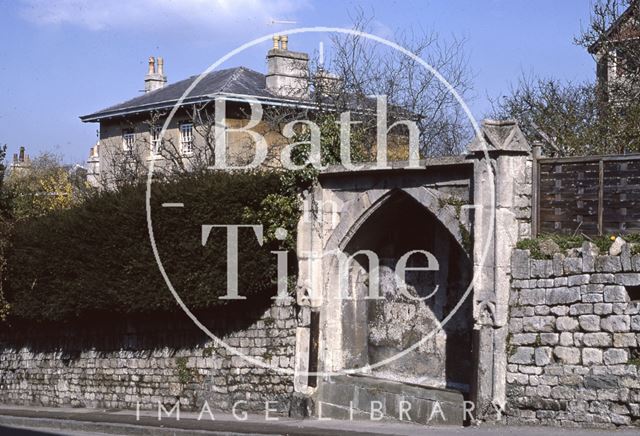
(97, 258)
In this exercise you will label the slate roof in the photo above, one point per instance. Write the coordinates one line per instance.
(239, 80)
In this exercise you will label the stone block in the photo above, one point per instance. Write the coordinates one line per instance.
(589, 323)
(608, 264)
(633, 308)
(515, 325)
(577, 280)
(522, 356)
(594, 288)
(520, 264)
(589, 253)
(619, 308)
(556, 296)
(597, 340)
(603, 308)
(541, 310)
(519, 284)
(543, 356)
(532, 297)
(628, 279)
(624, 340)
(615, 356)
(560, 310)
(616, 323)
(530, 370)
(560, 282)
(635, 323)
(615, 294)
(577, 339)
(523, 338)
(549, 338)
(625, 257)
(592, 298)
(566, 323)
(541, 268)
(581, 309)
(572, 265)
(602, 278)
(591, 356)
(520, 379)
(538, 323)
(566, 338)
(567, 355)
(558, 264)
(545, 283)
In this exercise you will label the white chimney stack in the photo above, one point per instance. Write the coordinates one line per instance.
(155, 78)
(287, 71)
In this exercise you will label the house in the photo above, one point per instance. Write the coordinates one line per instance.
(130, 132)
(617, 54)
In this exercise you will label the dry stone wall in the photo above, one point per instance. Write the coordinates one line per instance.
(574, 333)
(152, 363)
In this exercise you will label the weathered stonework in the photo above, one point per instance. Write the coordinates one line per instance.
(579, 363)
(155, 362)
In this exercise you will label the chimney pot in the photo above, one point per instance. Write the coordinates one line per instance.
(15, 157)
(155, 78)
(276, 41)
(160, 66)
(21, 155)
(285, 40)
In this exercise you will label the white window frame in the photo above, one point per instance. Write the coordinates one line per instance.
(186, 138)
(155, 140)
(128, 140)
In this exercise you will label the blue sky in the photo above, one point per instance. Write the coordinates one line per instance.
(65, 58)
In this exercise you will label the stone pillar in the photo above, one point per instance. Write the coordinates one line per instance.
(501, 162)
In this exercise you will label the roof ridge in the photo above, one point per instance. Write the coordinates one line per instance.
(237, 79)
(237, 71)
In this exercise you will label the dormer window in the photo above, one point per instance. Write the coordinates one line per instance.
(128, 139)
(186, 138)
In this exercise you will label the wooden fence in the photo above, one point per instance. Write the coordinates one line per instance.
(594, 195)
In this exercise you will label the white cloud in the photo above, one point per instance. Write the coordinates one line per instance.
(217, 15)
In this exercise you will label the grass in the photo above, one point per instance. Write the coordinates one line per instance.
(567, 242)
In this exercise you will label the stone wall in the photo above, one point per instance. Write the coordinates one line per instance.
(574, 332)
(150, 362)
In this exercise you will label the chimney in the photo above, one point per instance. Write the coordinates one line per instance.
(287, 71)
(21, 161)
(155, 78)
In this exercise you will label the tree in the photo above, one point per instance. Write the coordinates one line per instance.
(4, 233)
(43, 186)
(600, 117)
(612, 37)
(368, 68)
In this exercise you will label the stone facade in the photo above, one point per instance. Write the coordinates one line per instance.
(574, 332)
(151, 362)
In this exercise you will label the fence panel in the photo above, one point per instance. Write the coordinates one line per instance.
(592, 195)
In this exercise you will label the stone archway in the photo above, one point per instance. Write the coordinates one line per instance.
(409, 317)
(494, 178)
(359, 332)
